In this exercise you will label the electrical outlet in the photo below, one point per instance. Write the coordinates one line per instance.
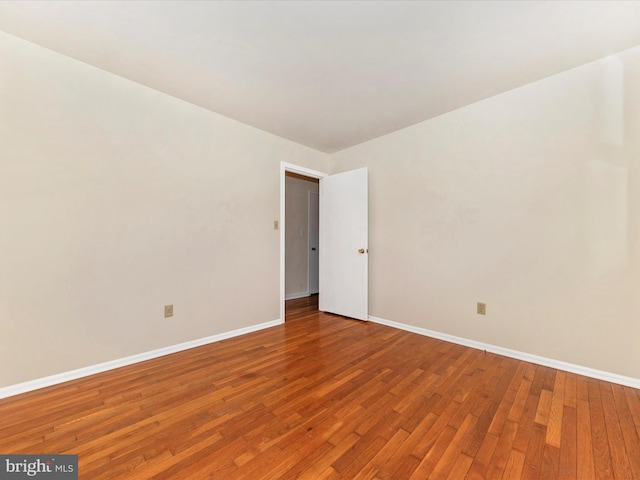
(482, 308)
(168, 311)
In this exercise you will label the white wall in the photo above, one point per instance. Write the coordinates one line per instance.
(115, 200)
(297, 190)
(528, 201)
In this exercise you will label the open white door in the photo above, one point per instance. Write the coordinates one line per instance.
(344, 285)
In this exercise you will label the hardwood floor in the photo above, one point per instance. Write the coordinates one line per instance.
(327, 397)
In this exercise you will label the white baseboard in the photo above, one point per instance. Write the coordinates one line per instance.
(17, 389)
(121, 362)
(293, 296)
(527, 357)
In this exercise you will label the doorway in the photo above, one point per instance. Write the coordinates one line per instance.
(297, 281)
(301, 232)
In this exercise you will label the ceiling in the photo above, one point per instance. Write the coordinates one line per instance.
(329, 74)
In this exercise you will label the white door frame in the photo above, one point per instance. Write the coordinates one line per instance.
(307, 172)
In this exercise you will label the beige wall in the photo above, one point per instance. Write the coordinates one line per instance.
(528, 201)
(116, 200)
(297, 190)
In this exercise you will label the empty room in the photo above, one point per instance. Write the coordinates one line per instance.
(319, 239)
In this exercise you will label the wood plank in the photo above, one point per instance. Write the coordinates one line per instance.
(619, 459)
(570, 390)
(599, 439)
(568, 467)
(585, 460)
(454, 450)
(384, 454)
(480, 464)
(544, 407)
(631, 440)
(534, 453)
(554, 423)
(550, 462)
(501, 453)
(513, 468)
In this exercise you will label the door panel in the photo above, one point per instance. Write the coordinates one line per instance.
(344, 244)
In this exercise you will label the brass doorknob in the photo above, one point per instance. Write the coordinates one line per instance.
(361, 251)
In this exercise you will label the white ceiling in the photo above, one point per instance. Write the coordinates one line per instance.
(329, 74)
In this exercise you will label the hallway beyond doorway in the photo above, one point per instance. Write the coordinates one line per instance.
(300, 307)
